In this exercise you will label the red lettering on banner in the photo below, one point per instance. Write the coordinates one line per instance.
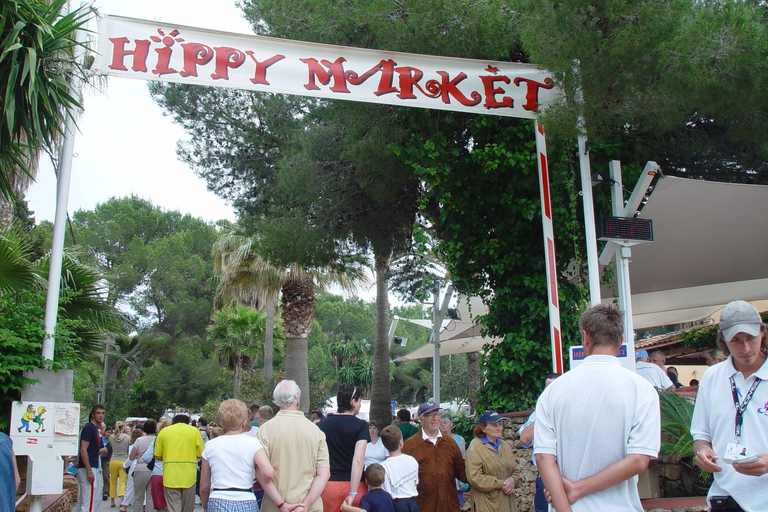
(164, 54)
(449, 88)
(260, 76)
(139, 54)
(408, 78)
(163, 61)
(226, 58)
(195, 54)
(488, 87)
(532, 93)
(491, 92)
(335, 72)
(387, 69)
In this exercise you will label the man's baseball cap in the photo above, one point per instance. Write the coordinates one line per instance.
(490, 417)
(641, 354)
(427, 407)
(739, 316)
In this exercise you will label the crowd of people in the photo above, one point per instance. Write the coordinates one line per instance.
(594, 430)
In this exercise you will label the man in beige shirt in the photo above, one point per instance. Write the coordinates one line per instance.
(297, 450)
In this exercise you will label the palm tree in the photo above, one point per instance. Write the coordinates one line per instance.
(91, 320)
(246, 276)
(381, 392)
(37, 40)
(238, 336)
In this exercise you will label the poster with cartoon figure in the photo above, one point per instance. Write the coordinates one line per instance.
(39, 419)
(27, 418)
(44, 428)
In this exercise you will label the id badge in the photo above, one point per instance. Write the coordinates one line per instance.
(735, 451)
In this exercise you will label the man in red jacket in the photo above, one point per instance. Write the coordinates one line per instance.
(440, 461)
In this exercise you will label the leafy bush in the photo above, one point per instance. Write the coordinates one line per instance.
(676, 416)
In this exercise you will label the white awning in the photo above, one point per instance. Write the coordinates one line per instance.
(456, 336)
(711, 247)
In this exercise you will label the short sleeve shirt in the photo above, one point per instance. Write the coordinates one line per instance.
(91, 435)
(713, 421)
(593, 416)
(179, 446)
(342, 432)
(377, 501)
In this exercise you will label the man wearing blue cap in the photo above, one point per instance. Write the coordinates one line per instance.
(440, 461)
(598, 426)
(651, 372)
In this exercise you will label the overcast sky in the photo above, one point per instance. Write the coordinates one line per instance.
(125, 145)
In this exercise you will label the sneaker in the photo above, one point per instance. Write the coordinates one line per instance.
(104, 497)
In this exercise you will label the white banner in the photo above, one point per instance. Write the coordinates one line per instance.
(153, 50)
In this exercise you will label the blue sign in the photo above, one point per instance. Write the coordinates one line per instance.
(577, 353)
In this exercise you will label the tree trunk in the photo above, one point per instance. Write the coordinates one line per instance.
(475, 380)
(237, 380)
(19, 182)
(138, 363)
(298, 302)
(297, 368)
(381, 393)
(269, 346)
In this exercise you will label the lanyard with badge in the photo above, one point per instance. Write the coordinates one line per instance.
(734, 452)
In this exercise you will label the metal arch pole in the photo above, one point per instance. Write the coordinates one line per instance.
(60, 220)
(438, 313)
(437, 322)
(622, 262)
(590, 232)
(549, 251)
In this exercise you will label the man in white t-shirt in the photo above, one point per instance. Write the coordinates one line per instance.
(651, 372)
(597, 426)
(730, 419)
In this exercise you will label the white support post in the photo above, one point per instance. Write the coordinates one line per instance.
(549, 251)
(587, 201)
(623, 255)
(438, 313)
(62, 198)
(622, 261)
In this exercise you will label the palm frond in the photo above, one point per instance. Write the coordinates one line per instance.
(36, 62)
(676, 416)
(16, 270)
(85, 293)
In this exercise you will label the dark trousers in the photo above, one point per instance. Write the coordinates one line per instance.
(406, 505)
(724, 504)
(539, 500)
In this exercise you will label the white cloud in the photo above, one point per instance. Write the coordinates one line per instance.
(125, 145)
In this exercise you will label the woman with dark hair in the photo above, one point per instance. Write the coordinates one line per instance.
(141, 473)
(374, 451)
(347, 437)
(489, 465)
(674, 376)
